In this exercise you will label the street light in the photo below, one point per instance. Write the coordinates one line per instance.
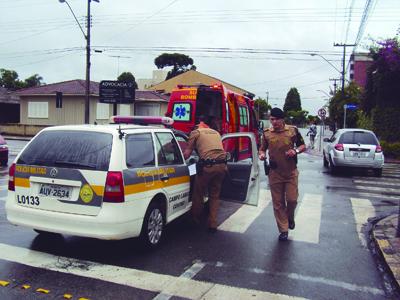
(87, 38)
(342, 73)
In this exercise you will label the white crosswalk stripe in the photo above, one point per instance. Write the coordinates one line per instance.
(363, 210)
(241, 220)
(169, 285)
(308, 219)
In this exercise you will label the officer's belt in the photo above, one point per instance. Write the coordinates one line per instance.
(211, 162)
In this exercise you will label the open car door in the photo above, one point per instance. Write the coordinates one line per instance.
(242, 182)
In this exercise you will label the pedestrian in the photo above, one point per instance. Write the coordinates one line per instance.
(284, 143)
(211, 170)
(312, 132)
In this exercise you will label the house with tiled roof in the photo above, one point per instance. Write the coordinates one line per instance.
(193, 77)
(40, 106)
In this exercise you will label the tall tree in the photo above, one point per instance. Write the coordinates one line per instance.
(9, 79)
(127, 77)
(261, 107)
(180, 63)
(292, 101)
(34, 80)
(352, 94)
(381, 101)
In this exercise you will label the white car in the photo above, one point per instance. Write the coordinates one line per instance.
(353, 148)
(112, 181)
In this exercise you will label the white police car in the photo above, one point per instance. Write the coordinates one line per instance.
(112, 181)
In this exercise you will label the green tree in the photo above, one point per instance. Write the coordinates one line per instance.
(180, 63)
(32, 81)
(352, 94)
(292, 108)
(127, 77)
(381, 100)
(9, 79)
(292, 101)
(261, 107)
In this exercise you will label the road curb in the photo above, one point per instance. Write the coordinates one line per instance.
(388, 245)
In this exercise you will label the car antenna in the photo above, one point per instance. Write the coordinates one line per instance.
(121, 133)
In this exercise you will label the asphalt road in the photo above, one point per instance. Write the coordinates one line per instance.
(326, 257)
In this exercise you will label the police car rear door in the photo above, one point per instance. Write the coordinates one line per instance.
(242, 182)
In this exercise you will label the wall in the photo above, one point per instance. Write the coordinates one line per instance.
(20, 129)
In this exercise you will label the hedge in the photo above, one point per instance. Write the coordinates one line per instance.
(391, 150)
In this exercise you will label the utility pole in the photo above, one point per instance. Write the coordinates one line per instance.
(334, 83)
(343, 65)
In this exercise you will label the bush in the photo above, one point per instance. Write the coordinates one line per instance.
(391, 150)
(385, 123)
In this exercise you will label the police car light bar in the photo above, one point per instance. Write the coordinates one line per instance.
(142, 120)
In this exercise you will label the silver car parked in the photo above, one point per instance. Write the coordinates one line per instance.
(353, 148)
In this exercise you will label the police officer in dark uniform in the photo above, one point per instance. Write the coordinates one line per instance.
(210, 172)
(284, 143)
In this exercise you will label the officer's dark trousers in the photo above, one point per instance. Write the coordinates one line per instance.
(284, 193)
(211, 180)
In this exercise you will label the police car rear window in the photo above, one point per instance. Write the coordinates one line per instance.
(69, 149)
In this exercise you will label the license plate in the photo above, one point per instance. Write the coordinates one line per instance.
(358, 154)
(55, 191)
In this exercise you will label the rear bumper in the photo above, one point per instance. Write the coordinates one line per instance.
(360, 163)
(114, 222)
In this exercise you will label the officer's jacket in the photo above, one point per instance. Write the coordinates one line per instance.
(207, 143)
(277, 143)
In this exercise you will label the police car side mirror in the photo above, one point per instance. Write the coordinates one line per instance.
(327, 140)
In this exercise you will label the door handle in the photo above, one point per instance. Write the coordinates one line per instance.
(164, 178)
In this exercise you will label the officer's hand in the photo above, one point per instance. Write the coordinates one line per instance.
(261, 156)
(291, 153)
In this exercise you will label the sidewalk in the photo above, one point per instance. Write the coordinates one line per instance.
(388, 245)
(17, 138)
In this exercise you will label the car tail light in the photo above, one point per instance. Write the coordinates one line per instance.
(339, 147)
(114, 189)
(378, 149)
(11, 178)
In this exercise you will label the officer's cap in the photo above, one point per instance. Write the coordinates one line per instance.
(277, 113)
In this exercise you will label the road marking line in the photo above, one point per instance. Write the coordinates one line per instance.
(378, 179)
(378, 189)
(376, 183)
(241, 220)
(362, 209)
(377, 195)
(308, 219)
(189, 273)
(171, 285)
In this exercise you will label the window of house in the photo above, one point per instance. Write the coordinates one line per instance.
(102, 111)
(38, 110)
(124, 109)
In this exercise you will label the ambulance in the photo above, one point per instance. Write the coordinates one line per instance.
(113, 181)
(226, 110)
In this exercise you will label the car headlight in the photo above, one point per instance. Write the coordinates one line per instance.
(4, 146)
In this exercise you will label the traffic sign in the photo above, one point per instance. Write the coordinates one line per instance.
(350, 106)
(116, 92)
(322, 112)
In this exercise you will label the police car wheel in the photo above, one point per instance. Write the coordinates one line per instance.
(378, 172)
(332, 168)
(153, 225)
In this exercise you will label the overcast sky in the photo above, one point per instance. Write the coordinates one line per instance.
(263, 46)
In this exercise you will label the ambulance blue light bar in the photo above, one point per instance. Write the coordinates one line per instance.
(142, 120)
